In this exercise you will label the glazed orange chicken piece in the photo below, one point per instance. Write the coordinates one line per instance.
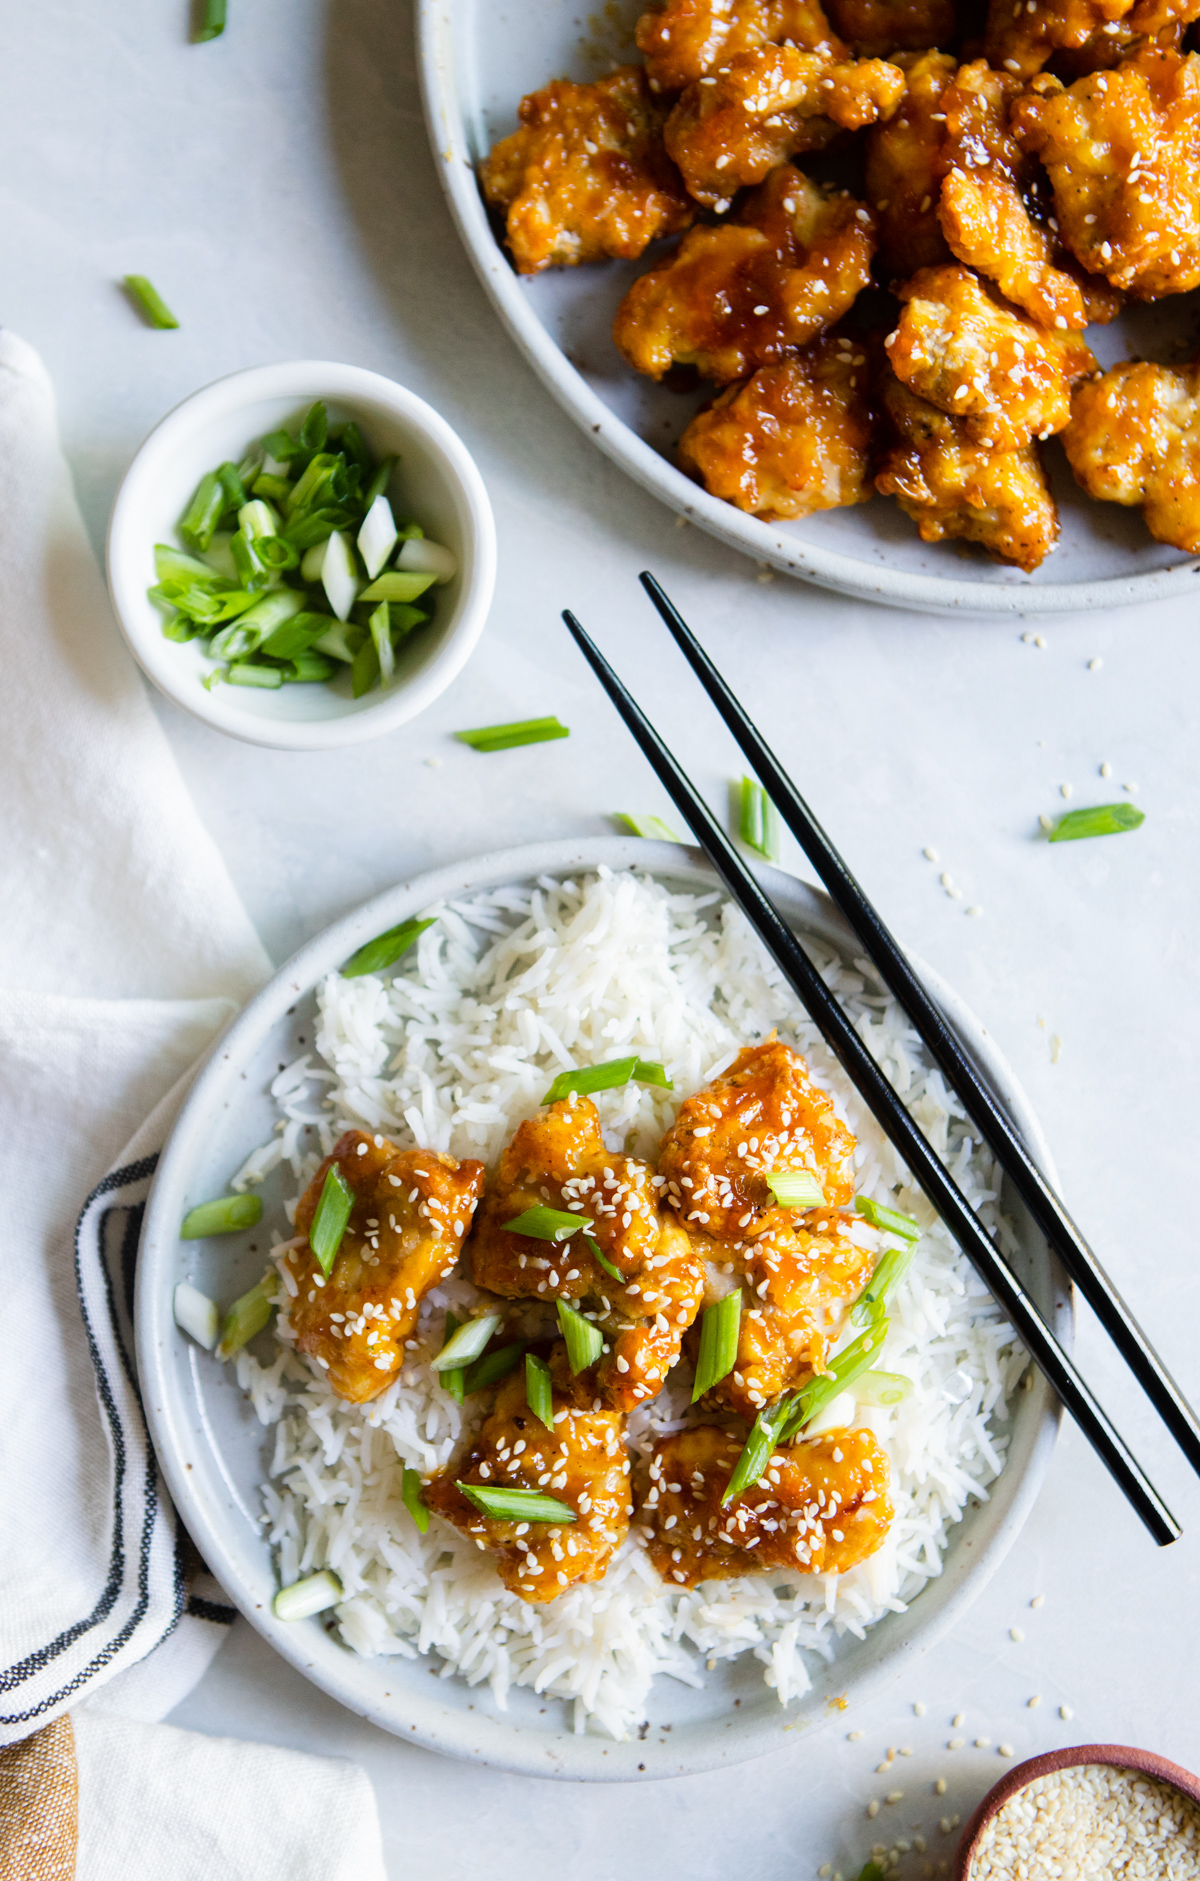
(798, 1280)
(684, 40)
(412, 1209)
(586, 175)
(558, 1159)
(954, 487)
(904, 166)
(755, 289)
(822, 1507)
(795, 438)
(1122, 150)
(1084, 34)
(1134, 438)
(961, 348)
(876, 28)
(583, 1464)
(763, 1116)
(987, 225)
(767, 105)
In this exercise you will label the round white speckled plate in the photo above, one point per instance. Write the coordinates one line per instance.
(212, 1448)
(478, 59)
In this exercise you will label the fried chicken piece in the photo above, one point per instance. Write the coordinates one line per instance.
(959, 347)
(1113, 43)
(583, 1464)
(799, 1278)
(988, 226)
(876, 28)
(954, 487)
(559, 1159)
(767, 105)
(1122, 149)
(793, 439)
(755, 289)
(1083, 34)
(1134, 438)
(904, 171)
(821, 1508)
(763, 1116)
(684, 40)
(586, 175)
(411, 1210)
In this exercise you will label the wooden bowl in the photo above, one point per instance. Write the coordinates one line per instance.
(1118, 1756)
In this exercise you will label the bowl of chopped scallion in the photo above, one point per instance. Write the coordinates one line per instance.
(302, 555)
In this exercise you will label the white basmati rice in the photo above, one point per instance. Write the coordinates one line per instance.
(452, 1053)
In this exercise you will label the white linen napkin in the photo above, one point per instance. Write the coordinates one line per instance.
(124, 950)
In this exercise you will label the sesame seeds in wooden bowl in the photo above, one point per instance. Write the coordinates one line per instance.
(1098, 1810)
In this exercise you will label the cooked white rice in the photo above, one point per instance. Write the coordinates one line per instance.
(504, 991)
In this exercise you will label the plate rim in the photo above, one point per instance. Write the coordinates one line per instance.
(825, 568)
(164, 1361)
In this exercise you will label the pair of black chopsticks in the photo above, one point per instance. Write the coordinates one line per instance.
(957, 1067)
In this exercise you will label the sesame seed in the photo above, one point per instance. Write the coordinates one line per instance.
(1065, 1712)
(1005, 1750)
(939, 1788)
(1035, 1701)
(1014, 1632)
(872, 1809)
(958, 1720)
(983, 1743)
(1038, 1600)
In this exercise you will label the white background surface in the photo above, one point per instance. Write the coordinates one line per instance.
(276, 187)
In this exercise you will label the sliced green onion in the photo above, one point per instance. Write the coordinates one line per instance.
(248, 1316)
(315, 526)
(607, 1077)
(546, 1224)
(405, 618)
(382, 952)
(149, 302)
(884, 1388)
(850, 1363)
(466, 1343)
(225, 1215)
(871, 1872)
(242, 673)
(889, 1271)
(584, 1340)
(296, 635)
(315, 428)
(719, 1329)
(199, 522)
(251, 571)
(539, 1390)
(313, 483)
(276, 554)
(330, 1219)
(196, 1315)
(377, 537)
(601, 1259)
(1106, 819)
(312, 1595)
(395, 586)
(451, 1381)
(209, 21)
(758, 821)
(256, 518)
(517, 1505)
(278, 488)
(493, 1366)
(410, 1494)
(380, 628)
(307, 668)
(528, 731)
(169, 561)
(379, 482)
(758, 1449)
(281, 446)
(179, 628)
(339, 642)
(339, 577)
(889, 1219)
(364, 669)
(419, 556)
(247, 633)
(797, 1189)
(652, 827)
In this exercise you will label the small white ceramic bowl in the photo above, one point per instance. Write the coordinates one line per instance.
(436, 481)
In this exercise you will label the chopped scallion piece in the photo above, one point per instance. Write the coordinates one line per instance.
(585, 1341)
(226, 1215)
(302, 1599)
(385, 949)
(652, 827)
(494, 1366)
(547, 1224)
(719, 1329)
(758, 1448)
(758, 821)
(380, 627)
(410, 1494)
(601, 1259)
(339, 577)
(196, 1315)
(277, 488)
(539, 1391)
(451, 1380)
(889, 1219)
(339, 642)
(607, 1077)
(248, 1316)
(517, 1505)
(364, 669)
(315, 428)
(1106, 819)
(329, 1221)
(796, 1189)
(379, 482)
(377, 537)
(885, 1388)
(528, 731)
(466, 1343)
(243, 673)
(889, 1271)
(849, 1364)
(394, 586)
(198, 524)
(420, 556)
(307, 668)
(209, 21)
(149, 302)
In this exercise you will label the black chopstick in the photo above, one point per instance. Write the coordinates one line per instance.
(959, 1070)
(932, 1175)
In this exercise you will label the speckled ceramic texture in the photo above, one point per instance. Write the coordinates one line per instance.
(212, 1448)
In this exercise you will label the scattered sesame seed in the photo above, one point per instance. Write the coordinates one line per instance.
(1064, 790)
(1027, 637)
(955, 894)
(947, 879)
(894, 1796)
(1131, 788)
(1095, 665)
(975, 910)
(1106, 770)
(983, 1743)
(825, 1870)
(1038, 1600)
(939, 1788)
(872, 1809)
(931, 855)
(1065, 1712)
(958, 1720)
(1039, 640)
(918, 1708)
(955, 1743)
(1035, 1701)
(1014, 1632)
(854, 1737)
(1005, 1750)
(1047, 822)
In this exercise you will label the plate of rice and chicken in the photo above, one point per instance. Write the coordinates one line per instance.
(596, 1394)
(897, 295)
